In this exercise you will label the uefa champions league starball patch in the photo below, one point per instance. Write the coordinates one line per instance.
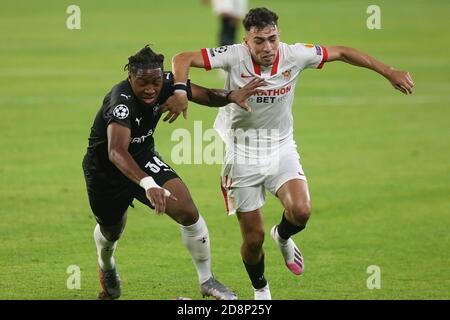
(121, 111)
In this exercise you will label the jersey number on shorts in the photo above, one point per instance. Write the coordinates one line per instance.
(156, 167)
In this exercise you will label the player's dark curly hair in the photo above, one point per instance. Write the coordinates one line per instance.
(260, 18)
(145, 58)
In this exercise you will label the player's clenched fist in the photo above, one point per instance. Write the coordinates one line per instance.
(401, 80)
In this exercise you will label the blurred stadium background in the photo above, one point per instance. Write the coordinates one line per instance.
(378, 162)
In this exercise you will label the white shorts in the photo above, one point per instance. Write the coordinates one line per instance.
(236, 8)
(244, 186)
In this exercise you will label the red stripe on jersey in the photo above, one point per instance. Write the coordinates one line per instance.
(274, 70)
(225, 197)
(206, 59)
(256, 67)
(324, 57)
(275, 64)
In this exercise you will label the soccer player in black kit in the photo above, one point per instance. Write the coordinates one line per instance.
(121, 164)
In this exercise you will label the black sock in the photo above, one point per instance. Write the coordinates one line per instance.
(256, 273)
(287, 229)
(228, 32)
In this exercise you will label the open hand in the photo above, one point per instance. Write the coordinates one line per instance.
(176, 104)
(157, 198)
(241, 95)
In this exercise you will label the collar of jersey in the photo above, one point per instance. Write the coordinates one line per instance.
(274, 70)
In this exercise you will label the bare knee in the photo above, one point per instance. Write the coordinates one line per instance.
(112, 233)
(254, 240)
(187, 214)
(299, 212)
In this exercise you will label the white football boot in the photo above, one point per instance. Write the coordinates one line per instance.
(292, 256)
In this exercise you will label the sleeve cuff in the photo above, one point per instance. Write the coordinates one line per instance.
(206, 60)
(324, 57)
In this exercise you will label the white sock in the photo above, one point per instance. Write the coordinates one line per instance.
(196, 240)
(105, 250)
(263, 293)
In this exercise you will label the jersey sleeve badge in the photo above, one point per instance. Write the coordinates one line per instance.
(121, 111)
(318, 50)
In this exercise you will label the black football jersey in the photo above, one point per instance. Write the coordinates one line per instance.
(122, 106)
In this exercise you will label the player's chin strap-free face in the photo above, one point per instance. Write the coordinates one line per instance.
(263, 42)
(140, 80)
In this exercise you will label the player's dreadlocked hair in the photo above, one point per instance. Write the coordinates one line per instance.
(260, 18)
(144, 59)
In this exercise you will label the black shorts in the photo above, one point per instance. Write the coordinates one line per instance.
(110, 196)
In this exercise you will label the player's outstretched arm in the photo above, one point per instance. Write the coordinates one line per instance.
(118, 142)
(180, 69)
(182, 62)
(221, 97)
(217, 97)
(400, 80)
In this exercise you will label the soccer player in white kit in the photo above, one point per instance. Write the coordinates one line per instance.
(261, 153)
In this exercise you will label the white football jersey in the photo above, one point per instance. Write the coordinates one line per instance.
(270, 122)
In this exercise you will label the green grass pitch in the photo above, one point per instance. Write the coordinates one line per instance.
(378, 162)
